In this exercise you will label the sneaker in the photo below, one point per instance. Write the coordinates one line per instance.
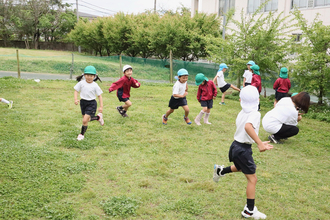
(187, 120)
(101, 118)
(216, 177)
(80, 137)
(124, 114)
(222, 103)
(246, 213)
(164, 120)
(120, 110)
(273, 139)
(10, 105)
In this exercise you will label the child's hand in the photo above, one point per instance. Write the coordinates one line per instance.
(76, 102)
(137, 84)
(214, 97)
(185, 94)
(100, 109)
(265, 146)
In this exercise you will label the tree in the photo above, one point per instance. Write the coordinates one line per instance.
(312, 67)
(260, 37)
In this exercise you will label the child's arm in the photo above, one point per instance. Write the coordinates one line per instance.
(180, 96)
(215, 91)
(76, 101)
(101, 103)
(244, 79)
(275, 86)
(116, 85)
(199, 91)
(187, 88)
(263, 146)
(215, 80)
(136, 83)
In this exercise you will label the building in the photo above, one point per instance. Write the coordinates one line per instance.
(309, 8)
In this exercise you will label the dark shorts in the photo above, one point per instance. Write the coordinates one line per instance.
(225, 88)
(247, 84)
(279, 95)
(176, 103)
(120, 95)
(88, 107)
(207, 103)
(241, 155)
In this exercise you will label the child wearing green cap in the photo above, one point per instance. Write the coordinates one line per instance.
(282, 85)
(256, 79)
(207, 91)
(88, 91)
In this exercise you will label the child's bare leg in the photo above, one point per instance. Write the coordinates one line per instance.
(127, 104)
(251, 185)
(223, 97)
(275, 102)
(205, 109)
(170, 111)
(86, 119)
(235, 88)
(186, 110)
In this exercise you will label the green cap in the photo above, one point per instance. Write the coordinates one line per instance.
(200, 78)
(90, 70)
(284, 73)
(255, 69)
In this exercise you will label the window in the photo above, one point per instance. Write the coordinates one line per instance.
(253, 5)
(299, 3)
(297, 37)
(322, 3)
(230, 5)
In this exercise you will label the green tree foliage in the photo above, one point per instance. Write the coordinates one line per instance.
(262, 38)
(7, 17)
(312, 67)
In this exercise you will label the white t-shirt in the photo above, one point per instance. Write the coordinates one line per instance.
(252, 117)
(248, 76)
(283, 113)
(88, 91)
(221, 79)
(179, 88)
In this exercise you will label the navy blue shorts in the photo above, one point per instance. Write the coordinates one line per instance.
(241, 155)
(247, 84)
(279, 95)
(120, 95)
(176, 103)
(225, 88)
(88, 107)
(207, 103)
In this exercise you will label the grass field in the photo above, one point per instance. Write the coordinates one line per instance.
(137, 168)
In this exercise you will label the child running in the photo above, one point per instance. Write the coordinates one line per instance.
(219, 80)
(248, 74)
(178, 98)
(207, 91)
(123, 87)
(240, 152)
(9, 103)
(282, 85)
(88, 91)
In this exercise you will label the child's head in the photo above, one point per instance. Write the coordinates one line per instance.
(223, 67)
(255, 69)
(302, 101)
(284, 73)
(200, 79)
(249, 64)
(249, 97)
(183, 75)
(89, 74)
(127, 70)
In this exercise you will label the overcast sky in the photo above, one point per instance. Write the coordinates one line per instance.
(108, 7)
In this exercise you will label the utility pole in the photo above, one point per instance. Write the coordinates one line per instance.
(155, 7)
(79, 49)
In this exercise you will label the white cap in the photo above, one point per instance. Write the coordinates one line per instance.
(127, 67)
(249, 98)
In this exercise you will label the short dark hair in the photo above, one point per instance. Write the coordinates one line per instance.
(302, 101)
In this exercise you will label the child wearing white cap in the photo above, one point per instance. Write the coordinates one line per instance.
(123, 87)
(219, 80)
(240, 152)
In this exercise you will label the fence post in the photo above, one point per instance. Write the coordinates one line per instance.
(71, 69)
(171, 67)
(18, 69)
(120, 64)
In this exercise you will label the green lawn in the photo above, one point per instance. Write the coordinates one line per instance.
(137, 168)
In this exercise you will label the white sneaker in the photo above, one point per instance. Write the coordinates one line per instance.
(10, 105)
(246, 213)
(101, 118)
(197, 122)
(216, 177)
(80, 137)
